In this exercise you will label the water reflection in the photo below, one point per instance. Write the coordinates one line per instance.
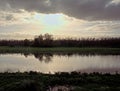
(44, 57)
(59, 62)
(47, 57)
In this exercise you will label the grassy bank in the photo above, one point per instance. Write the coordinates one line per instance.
(114, 51)
(33, 81)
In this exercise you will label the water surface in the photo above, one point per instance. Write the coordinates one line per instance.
(46, 63)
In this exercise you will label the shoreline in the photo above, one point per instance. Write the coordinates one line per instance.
(104, 51)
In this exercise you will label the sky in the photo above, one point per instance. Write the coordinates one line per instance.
(20, 19)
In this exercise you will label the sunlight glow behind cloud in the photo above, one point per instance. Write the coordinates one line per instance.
(81, 18)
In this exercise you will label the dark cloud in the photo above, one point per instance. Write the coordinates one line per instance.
(82, 9)
(6, 16)
(10, 17)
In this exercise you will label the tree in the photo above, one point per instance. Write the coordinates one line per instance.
(26, 42)
(48, 40)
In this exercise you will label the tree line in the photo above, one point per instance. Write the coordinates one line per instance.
(47, 40)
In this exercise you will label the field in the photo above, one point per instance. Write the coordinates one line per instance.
(104, 51)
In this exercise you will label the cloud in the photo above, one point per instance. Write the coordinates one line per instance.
(17, 17)
(8, 18)
(81, 17)
(114, 2)
(81, 9)
(17, 36)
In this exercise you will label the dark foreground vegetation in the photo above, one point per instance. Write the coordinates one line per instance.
(34, 81)
(48, 41)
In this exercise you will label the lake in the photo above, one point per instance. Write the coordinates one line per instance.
(51, 63)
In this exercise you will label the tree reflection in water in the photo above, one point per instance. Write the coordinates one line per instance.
(42, 57)
(47, 57)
